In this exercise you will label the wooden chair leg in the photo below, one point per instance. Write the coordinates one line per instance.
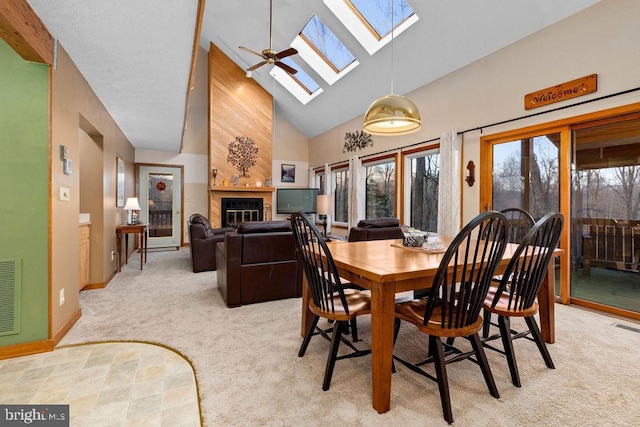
(507, 343)
(333, 353)
(537, 337)
(435, 349)
(476, 343)
(486, 323)
(354, 329)
(308, 335)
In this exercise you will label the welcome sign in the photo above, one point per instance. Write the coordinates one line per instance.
(563, 91)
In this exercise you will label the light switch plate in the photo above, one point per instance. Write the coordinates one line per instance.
(65, 194)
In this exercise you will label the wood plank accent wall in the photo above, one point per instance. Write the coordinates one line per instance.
(238, 106)
(23, 30)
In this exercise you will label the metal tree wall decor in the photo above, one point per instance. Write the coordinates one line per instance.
(356, 140)
(243, 153)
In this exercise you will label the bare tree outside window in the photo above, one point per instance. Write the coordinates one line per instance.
(341, 195)
(425, 176)
(380, 190)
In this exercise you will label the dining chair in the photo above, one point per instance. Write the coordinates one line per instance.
(519, 222)
(516, 294)
(329, 298)
(451, 309)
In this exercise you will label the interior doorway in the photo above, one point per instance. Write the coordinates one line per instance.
(161, 204)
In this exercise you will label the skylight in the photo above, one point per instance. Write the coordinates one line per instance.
(323, 51)
(370, 20)
(301, 85)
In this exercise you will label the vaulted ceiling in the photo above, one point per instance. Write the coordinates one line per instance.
(136, 54)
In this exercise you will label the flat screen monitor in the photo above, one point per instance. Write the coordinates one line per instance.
(290, 200)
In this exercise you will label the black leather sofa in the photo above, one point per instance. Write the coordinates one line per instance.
(202, 242)
(258, 263)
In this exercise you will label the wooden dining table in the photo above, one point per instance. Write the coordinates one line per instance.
(386, 268)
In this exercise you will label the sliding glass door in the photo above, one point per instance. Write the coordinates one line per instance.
(605, 214)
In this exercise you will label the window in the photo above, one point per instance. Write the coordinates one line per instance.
(422, 171)
(526, 174)
(369, 21)
(323, 51)
(380, 199)
(301, 85)
(341, 195)
(319, 181)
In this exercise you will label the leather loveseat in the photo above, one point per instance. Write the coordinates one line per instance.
(202, 243)
(376, 229)
(257, 263)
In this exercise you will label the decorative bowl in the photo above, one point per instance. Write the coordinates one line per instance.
(414, 239)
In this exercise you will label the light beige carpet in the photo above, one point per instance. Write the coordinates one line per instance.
(249, 373)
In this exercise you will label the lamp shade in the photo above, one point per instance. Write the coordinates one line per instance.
(324, 204)
(132, 204)
(392, 115)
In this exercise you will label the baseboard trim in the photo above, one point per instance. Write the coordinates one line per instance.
(66, 327)
(100, 285)
(25, 349)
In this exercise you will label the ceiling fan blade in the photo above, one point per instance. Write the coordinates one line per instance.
(258, 65)
(285, 53)
(285, 67)
(251, 51)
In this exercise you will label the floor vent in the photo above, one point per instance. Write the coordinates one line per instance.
(627, 327)
(9, 296)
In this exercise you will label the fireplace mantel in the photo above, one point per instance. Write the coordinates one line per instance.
(239, 188)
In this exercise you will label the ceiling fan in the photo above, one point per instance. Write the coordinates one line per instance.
(269, 55)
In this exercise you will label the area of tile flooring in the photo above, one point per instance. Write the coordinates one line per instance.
(107, 384)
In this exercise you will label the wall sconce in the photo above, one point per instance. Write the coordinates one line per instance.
(471, 173)
(214, 173)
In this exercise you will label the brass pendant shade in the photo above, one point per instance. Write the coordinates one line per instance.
(392, 115)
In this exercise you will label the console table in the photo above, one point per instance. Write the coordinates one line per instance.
(142, 231)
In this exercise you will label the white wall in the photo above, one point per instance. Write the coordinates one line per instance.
(603, 39)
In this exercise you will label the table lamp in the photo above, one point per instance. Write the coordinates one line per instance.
(131, 206)
(323, 209)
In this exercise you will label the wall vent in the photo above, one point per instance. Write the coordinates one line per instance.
(627, 327)
(10, 286)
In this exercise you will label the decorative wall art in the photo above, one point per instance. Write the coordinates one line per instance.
(356, 140)
(243, 153)
(288, 173)
(119, 182)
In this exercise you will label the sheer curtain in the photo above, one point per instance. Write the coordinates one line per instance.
(328, 189)
(356, 185)
(450, 182)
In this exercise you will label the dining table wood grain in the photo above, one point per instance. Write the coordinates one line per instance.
(386, 268)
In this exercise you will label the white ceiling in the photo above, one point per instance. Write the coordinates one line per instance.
(136, 54)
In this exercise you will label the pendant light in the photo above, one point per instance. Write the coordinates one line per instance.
(392, 114)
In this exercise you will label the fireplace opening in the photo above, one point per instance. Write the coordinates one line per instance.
(237, 210)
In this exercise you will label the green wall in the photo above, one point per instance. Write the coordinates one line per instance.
(24, 193)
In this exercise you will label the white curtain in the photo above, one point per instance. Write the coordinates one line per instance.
(328, 190)
(356, 187)
(449, 185)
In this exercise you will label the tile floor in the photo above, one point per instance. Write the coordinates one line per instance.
(107, 384)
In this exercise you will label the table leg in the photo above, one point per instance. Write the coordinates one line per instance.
(119, 245)
(546, 305)
(146, 243)
(382, 319)
(126, 248)
(141, 246)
